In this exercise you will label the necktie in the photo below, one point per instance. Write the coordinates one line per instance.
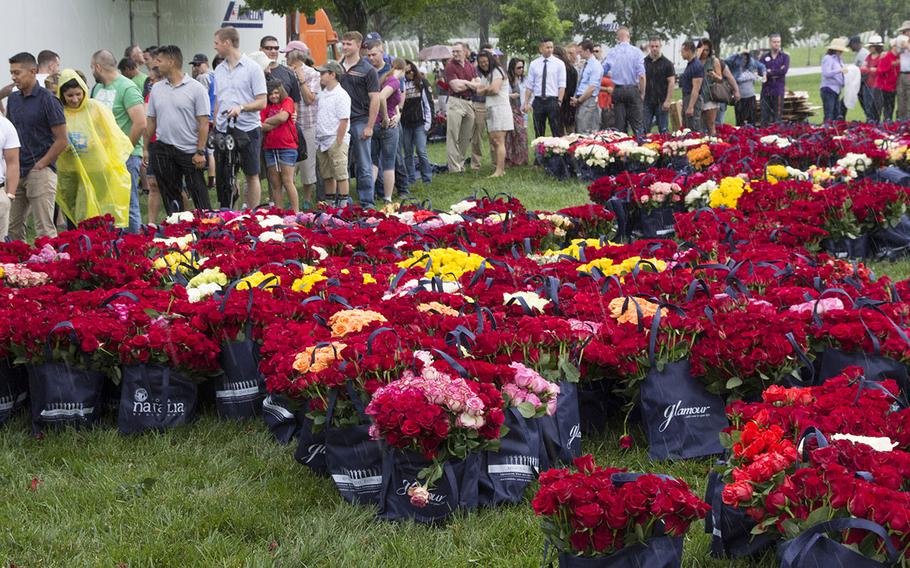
(543, 81)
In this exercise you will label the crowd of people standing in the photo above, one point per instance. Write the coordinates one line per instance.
(71, 151)
(882, 71)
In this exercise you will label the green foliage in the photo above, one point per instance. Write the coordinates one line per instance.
(347, 14)
(525, 22)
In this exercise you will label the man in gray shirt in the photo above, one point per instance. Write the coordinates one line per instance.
(178, 114)
(239, 96)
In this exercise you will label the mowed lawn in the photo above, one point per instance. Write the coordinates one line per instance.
(218, 493)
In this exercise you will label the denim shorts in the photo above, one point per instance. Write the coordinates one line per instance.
(385, 147)
(284, 156)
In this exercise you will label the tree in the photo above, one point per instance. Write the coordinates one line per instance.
(525, 22)
(738, 20)
(438, 24)
(350, 14)
(589, 19)
(847, 18)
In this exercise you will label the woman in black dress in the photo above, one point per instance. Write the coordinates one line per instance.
(568, 111)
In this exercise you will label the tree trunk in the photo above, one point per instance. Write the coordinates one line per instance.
(352, 15)
(716, 37)
(483, 22)
(290, 26)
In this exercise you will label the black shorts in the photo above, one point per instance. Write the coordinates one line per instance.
(249, 155)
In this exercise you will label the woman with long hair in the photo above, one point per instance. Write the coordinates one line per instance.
(713, 76)
(493, 85)
(416, 120)
(93, 179)
(279, 145)
(385, 145)
(567, 111)
(517, 138)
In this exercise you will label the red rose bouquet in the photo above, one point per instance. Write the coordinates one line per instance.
(588, 513)
(438, 415)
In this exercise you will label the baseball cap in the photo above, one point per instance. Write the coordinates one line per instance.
(331, 66)
(295, 46)
(373, 36)
(199, 58)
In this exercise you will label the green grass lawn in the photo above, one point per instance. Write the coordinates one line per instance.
(218, 493)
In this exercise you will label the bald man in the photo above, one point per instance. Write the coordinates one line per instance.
(125, 100)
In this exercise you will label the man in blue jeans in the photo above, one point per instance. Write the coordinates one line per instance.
(361, 83)
(125, 100)
(660, 80)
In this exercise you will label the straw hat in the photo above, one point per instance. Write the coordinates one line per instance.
(875, 39)
(838, 44)
(904, 26)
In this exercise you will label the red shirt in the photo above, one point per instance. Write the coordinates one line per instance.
(281, 137)
(455, 70)
(886, 78)
(605, 99)
(870, 69)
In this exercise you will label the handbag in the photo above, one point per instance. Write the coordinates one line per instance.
(301, 144)
(721, 93)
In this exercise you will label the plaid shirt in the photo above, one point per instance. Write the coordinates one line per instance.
(306, 114)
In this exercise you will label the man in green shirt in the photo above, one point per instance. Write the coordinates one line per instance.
(125, 100)
(129, 70)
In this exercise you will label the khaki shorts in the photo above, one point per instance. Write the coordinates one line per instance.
(333, 163)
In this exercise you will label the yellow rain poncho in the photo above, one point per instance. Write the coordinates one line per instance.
(92, 176)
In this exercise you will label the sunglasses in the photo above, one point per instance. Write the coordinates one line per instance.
(271, 48)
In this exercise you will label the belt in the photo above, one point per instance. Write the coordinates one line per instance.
(624, 86)
(905, 72)
(546, 98)
(462, 97)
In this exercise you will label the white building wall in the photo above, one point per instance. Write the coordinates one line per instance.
(77, 28)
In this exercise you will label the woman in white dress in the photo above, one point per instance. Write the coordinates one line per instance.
(493, 85)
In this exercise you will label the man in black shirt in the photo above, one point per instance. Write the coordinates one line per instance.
(660, 81)
(41, 125)
(278, 72)
(361, 83)
(690, 83)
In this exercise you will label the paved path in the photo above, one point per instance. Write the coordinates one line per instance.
(797, 71)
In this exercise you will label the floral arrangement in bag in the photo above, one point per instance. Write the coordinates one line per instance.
(658, 194)
(88, 342)
(549, 146)
(681, 145)
(747, 347)
(765, 438)
(846, 330)
(646, 154)
(437, 414)
(585, 513)
(700, 158)
(159, 333)
(625, 184)
(593, 154)
(843, 404)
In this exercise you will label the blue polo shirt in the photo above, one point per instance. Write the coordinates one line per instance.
(34, 116)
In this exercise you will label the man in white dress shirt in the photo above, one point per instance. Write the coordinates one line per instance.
(546, 89)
